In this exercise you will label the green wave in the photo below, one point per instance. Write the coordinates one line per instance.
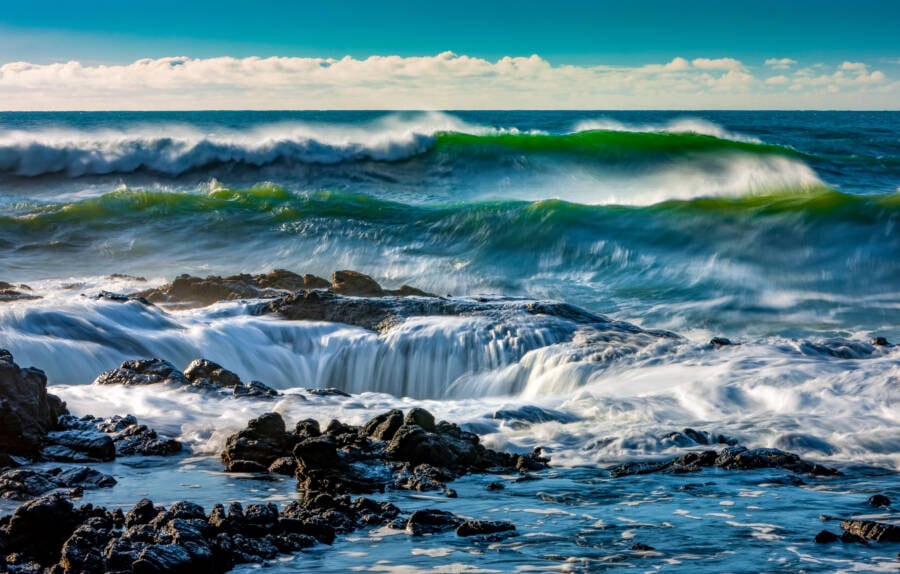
(273, 205)
(607, 144)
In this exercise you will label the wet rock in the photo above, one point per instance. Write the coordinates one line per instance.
(730, 458)
(320, 468)
(143, 372)
(39, 527)
(257, 447)
(384, 426)
(355, 284)
(328, 392)
(421, 418)
(128, 438)
(826, 537)
(422, 477)
(27, 411)
(204, 372)
(879, 500)
(872, 530)
(525, 416)
(142, 513)
(83, 551)
(880, 342)
(431, 521)
(25, 483)
(9, 292)
(187, 290)
(79, 446)
(286, 465)
(479, 527)
(638, 547)
(691, 437)
(492, 486)
(720, 342)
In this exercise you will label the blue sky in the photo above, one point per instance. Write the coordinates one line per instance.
(626, 32)
(832, 54)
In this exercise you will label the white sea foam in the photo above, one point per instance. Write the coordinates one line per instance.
(832, 400)
(685, 125)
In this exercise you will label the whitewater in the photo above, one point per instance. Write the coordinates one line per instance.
(776, 231)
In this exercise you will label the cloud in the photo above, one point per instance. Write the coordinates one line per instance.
(443, 81)
(781, 63)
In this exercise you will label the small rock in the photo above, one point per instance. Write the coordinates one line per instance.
(826, 537)
(638, 547)
(879, 500)
(420, 417)
(476, 527)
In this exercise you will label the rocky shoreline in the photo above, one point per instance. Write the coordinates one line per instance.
(333, 466)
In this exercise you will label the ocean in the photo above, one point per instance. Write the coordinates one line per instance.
(775, 230)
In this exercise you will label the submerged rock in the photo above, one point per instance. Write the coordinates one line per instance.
(22, 483)
(27, 411)
(480, 527)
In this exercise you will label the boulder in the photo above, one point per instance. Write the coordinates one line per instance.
(264, 441)
(27, 411)
(204, 372)
(872, 530)
(431, 521)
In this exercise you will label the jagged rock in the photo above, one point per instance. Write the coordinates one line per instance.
(528, 415)
(872, 530)
(201, 291)
(25, 483)
(83, 551)
(385, 425)
(730, 458)
(79, 446)
(691, 437)
(264, 441)
(127, 436)
(355, 284)
(39, 527)
(27, 411)
(478, 527)
(142, 372)
(9, 292)
(205, 372)
(420, 417)
(431, 521)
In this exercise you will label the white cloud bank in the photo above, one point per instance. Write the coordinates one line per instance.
(445, 81)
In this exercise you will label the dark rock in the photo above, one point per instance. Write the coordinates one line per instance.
(127, 436)
(525, 416)
(83, 551)
(286, 465)
(27, 411)
(477, 527)
(79, 446)
(720, 342)
(880, 342)
(121, 298)
(638, 547)
(202, 371)
(307, 428)
(826, 537)
(852, 538)
(264, 441)
(420, 417)
(691, 437)
(872, 530)
(730, 458)
(39, 527)
(329, 392)
(431, 521)
(143, 372)
(142, 513)
(384, 426)
(494, 486)
(879, 500)
(9, 292)
(256, 390)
